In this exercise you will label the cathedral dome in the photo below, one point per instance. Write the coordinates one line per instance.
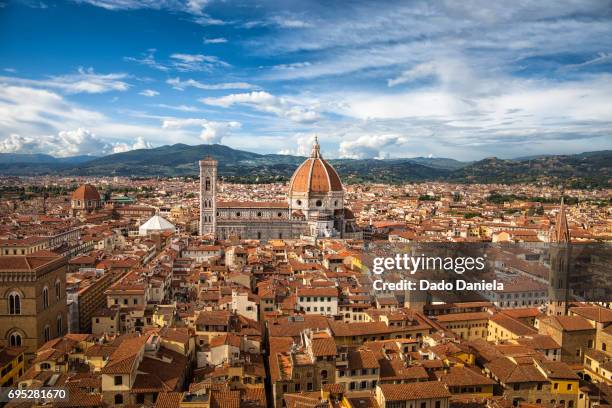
(86, 192)
(315, 175)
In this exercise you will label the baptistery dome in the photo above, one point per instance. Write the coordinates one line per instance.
(315, 175)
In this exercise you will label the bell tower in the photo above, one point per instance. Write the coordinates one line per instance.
(560, 256)
(208, 197)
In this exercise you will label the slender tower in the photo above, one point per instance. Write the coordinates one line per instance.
(208, 197)
(560, 255)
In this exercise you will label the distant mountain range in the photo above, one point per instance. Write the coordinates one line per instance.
(592, 169)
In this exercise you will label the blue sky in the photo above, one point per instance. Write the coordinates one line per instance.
(460, 79)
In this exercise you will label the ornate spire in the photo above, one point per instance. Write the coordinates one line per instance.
(316, 149)
(561, 228)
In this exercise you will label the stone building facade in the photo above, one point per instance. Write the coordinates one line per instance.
(314, 206)
(32, 300)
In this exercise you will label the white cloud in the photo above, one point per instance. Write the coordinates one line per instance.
(179, 61)
(149, 93)
(177, 84)
(212, 131)
(182, 108)
(67, 143)
(35, 114)
(370, 146)
(195, 7)
(84, 81)
(218, 40)
(293, 110)
(140, 143)
(303, 145)
(196, 62)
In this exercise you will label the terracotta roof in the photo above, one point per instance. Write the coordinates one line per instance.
(509, 372)
(570, 323)
(315, 175)
(324, 347)
(359, 359)
(169, 400)
(414, 391)
(85, 192)
(516, 327)
(26, 263)
(463, 377)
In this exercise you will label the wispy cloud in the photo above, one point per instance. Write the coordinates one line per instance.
(84, 81)
(211, 131)
(148, 93)
(179, 62)
(180, 85)
(266, 102)
(218, 40)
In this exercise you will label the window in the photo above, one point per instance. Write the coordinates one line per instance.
(539, 386)
(140, 399)
(14, 303)
(15, 339)
(556, 386)
(47, 333)
(45, 296)
(423, 405)
(58, 290)
(118, 399)
(516, 387)
(319, 203)
(438, 404)
(45, 366)
(569, 387)
(118, 380)
(259, 214)
(603, 346)
(59, 326)
(207, 184)
(299, 202)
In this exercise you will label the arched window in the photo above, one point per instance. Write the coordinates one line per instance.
(603, 346)
(45, 366)
(207, 184)
(319, 203)
(59, 327)
(14, 301)
(15, 339)
(323, 373)
(58, 290)
(118, 399)
(45, 297)
(47, 333)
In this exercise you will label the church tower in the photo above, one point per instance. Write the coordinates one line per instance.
(208, 196)
(560, 254)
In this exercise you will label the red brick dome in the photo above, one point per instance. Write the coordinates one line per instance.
(85, 192)
(315, 175)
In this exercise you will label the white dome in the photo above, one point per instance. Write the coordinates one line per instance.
(156, 224)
